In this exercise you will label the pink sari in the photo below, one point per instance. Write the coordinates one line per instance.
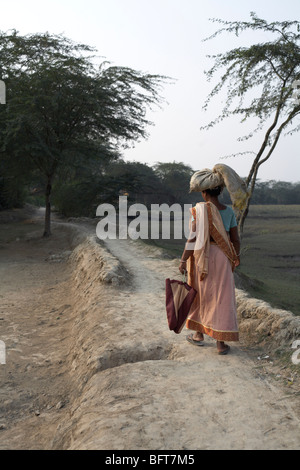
(210, 271)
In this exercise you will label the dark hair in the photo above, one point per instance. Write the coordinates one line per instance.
(214, 191)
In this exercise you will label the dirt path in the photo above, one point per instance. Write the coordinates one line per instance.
(35, 301)
(92, 365)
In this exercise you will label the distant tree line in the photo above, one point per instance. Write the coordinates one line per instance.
(276, 192)
(79, 192)
(272, 192)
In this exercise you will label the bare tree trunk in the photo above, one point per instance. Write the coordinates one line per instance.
(47, 228)
(243, 215)
(242, 218)
(251, 180)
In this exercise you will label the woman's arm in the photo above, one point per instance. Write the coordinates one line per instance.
(235, 240)
(187, 252)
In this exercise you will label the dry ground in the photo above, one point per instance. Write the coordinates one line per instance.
(91, 364)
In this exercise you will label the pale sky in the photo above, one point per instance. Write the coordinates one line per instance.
(165, 37)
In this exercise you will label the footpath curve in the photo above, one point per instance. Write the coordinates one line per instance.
(150, 389)
(122, 379)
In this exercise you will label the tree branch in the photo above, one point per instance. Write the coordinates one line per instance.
(267, 135)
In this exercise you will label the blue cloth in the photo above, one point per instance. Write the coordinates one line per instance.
(228, 218)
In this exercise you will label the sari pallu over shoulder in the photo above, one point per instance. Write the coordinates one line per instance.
(218, 233)
(209, 225)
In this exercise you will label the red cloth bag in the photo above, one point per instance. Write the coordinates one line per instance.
(179, 298)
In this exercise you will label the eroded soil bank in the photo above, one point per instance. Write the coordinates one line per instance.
(91, 364)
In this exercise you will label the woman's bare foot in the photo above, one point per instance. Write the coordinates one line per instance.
(197, 339)
(198, 336)
(222, 347)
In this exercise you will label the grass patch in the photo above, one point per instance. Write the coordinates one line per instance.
(270, 254)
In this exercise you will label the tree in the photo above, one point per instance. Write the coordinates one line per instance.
(137, 180)
(260, 82)
(89, 189)
(63, 109)
(175, 177)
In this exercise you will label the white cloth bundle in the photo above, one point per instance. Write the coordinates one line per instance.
(220, 176)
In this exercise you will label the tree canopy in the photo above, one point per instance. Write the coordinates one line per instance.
(260, 83)
(65, 109)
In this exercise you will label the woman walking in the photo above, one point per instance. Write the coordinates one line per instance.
(211, 255)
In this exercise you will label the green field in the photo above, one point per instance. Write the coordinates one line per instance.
(270, 255)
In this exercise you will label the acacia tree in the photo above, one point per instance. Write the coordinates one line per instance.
(62, 108)
(175, 177)
(260, 81)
